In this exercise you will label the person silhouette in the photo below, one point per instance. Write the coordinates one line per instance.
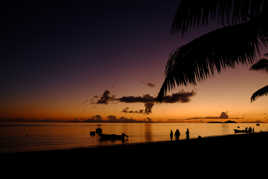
(187, 134)
(177, 134)
(171, 135)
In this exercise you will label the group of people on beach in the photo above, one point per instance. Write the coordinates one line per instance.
(249, 130)
(177, 134)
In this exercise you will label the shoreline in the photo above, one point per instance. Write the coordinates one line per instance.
(206, 121)
(228, 144)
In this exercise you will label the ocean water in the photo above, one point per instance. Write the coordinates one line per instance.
(18, 137)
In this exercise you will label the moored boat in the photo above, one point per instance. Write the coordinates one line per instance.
(112, 137)
(246, 130)
(240, 131)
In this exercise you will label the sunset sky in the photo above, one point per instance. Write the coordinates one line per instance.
(55, 60)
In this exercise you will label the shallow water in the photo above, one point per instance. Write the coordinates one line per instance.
(17, 137)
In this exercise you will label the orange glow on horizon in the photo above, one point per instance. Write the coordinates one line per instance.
(229, 92)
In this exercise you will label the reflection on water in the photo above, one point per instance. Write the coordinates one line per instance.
(16, 137)
(148, 132)
(225, 128)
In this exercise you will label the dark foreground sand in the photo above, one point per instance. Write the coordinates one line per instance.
(236, 146)
(212, 156)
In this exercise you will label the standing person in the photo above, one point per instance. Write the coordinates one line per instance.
(187, 134)
(171, 135)
(177, 134)
(249, 130)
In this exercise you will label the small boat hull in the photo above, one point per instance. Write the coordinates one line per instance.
(240, 131)
(112, 137)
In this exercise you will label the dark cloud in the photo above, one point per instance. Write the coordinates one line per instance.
(127, 110)
(148, 107)
(151, 85)
(182, 97)
(92, 100)
(106, 97)
(224, 115)
(147, 100)
(141, 111)
(137, 99)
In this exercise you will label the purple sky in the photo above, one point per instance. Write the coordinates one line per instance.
(52, 59)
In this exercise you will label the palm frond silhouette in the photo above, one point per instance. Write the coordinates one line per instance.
(260, 92)
(239, 41)
(260, 65)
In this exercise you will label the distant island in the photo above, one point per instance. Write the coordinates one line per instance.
(229, 121)
(219, 119)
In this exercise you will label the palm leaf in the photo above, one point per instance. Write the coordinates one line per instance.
(260, 65)
(212, 52)
(192, 13)
(261, 92)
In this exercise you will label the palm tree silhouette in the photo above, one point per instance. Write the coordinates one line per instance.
(262, 64)
(244, 32)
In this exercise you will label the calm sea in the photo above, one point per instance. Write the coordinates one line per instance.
(17, 137)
